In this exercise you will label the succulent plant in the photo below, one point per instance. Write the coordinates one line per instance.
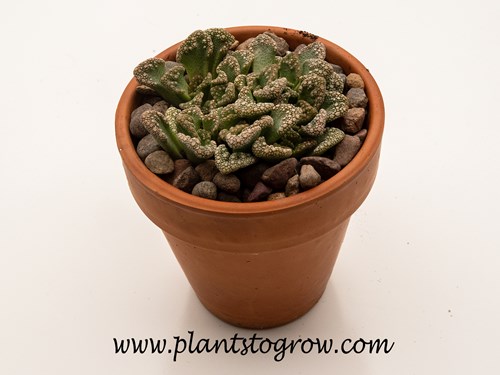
(241, 105)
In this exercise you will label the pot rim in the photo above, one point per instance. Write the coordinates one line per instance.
(165, 191)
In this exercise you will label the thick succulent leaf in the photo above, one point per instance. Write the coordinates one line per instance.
(315, 50)
(224, 94)
(269, 74)
(264, 50)
(195, 102)
(176, 88)
(222, 41)
(290, 68)
(268, 152)
(312, 89)
(194, 54)
(245, 59)
(166, 136)
(335, 104)
(195, 150)
(230, 66)
(317, 125)
(304, 148)
(272, 91)
(189, 121)
(285, 116)
(330, 138)
(165, 79)
(244, 139)
(228, 162)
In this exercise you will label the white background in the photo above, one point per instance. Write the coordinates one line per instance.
(80, 264)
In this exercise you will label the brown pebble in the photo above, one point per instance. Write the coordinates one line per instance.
(357, 98)
(362, 135)
(186, 180)
(277, 176)
(179, 166)
(159, 162)
(326, 167)
(137, 129)
(354, 80)
(292, 186)
(207, 170)
(225, 197)
(347, 149)
(227, 182)
(259, 193)
(146, 146)
(353, 120)
(308, 177)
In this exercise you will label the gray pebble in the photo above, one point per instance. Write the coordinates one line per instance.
(326, 167)
(205, 189)
(308, 177)
(277, 176)
(259, 193)
(159, 162)
(136, 127)
(146, 146)
(347, 149)
(227, 182)
(292, 186)
(356, 97)
(186, 180)
(352, 122)
(354, 80)
(207, 170)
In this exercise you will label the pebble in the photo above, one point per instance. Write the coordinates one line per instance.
(207, 170)
(337, 69)
(146, 146)
(205, 189)
(259, 193)
(356, 97)
(159, 162)
(186, 180)
(227, 182)
(352, 122)
(292, 186)
(276, 196)
(250, 175)
(136, 127)
(161, 106)
(277, 176)
(354, 80)
(347, 149)
(179, 166)
(245, 44)
(308, 177)
(225, 197)
(326, 167)
(362, 135)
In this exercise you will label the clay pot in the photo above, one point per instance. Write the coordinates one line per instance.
(258, 265)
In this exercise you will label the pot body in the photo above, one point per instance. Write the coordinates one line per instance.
(258, 265)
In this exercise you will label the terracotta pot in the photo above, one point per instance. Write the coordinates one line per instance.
(258, 265)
